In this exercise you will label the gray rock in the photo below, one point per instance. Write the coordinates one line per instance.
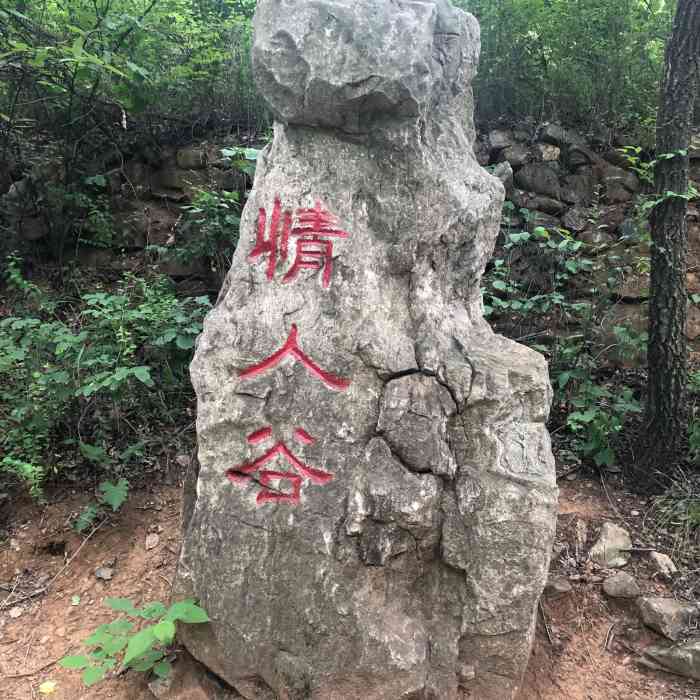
(621, 585)
(609, 549)
(529, 200)
(518, 154)
(663, 564)
(540, 178)
(500, 139)
(105, 573)
(191, 158)
(546, 152)
(482, 152)
(504, 172)
(694, 149)
(559, 136)
(353, 65)
(681, 659)
(557, 585)
(386, 525)
(595, 236)
(578, 188)
(576, 219)
(580, 156)
(667, 616)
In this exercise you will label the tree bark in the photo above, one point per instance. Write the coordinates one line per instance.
(667, 350)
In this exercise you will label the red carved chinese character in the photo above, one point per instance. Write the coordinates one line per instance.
(277, 238)
(291, 347)
(242, 474)
(312, 250)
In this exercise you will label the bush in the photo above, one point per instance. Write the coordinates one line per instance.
(86, 382)
(588, 63)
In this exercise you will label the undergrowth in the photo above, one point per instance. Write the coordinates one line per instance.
(92, 381)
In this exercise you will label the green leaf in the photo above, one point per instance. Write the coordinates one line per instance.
(605, 457)
(184, 342)
(500, 285)
(139, 644)
(121, 605)
(93, 675)
(120, 627)
(147, 661)
(162, 669)
(114, 645)
(114, 495)
(187, 611)
(152, 611)
(165, 631)
(74, 662)
(98, 637)
(94, 453)
(143, 374)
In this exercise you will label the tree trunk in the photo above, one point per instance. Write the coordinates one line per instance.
(667, 351)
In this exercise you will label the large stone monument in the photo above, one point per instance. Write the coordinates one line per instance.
(375, 505)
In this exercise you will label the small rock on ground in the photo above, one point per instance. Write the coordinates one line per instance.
(682, 659)
(609, 551)
(621, 585)
(663, 563)
(667, 616)
(557, 585)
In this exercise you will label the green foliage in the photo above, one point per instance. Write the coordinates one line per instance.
(598, 418)
(119, 644)
(89, 374)
(210, 231)
(590, 62)
(112, 494)
(534, 293)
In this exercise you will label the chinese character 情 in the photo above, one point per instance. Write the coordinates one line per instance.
(313, 233)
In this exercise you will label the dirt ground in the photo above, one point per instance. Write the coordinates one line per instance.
(585, 647)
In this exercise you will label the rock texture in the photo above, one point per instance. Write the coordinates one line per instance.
(398, 548)
(612, 546)
(667, 616)
(621, 585)
(681, 659)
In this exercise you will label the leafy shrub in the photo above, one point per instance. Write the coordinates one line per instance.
(79, 382)
(543, 308)
(116, 644)
(589, 63)
(111, 494)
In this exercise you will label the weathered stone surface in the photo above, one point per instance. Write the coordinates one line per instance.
(349, 65)
(621, 585)
(576, 219)
(667, 616)
(694, 149)
(578, 188)
(192, 158)
(609, 549)
(559, 136)
(557, 585)
(500, 139)
(681, 659)
(540, 178)
(546, 152)
(529, 200)
(663, 563)
(504, 172)
(415, 565)
(518, 154)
